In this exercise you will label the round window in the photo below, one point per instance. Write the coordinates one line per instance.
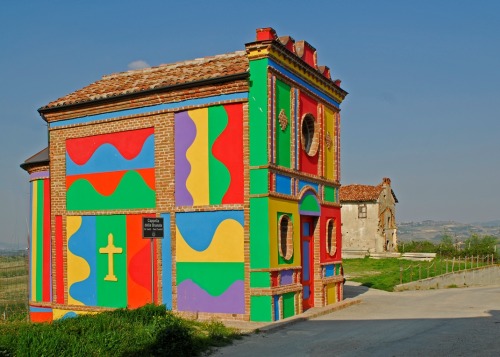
(285, 237)
(309, 135)
(331, 243)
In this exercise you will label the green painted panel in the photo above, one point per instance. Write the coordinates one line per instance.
(132, 192)
(258, 109)
(39, 239)
(282, 136)
(288, 305)
(260, 280)
(310, 204)
(214, 278)
(259, 181)
(260, 308)
(329, 194)
(259, 233)
(111, 268)
(219, 174)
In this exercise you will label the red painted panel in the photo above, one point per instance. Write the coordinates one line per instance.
(41, 316)
(59, 261)
(274, 279)
(228, 148)
(326, 214)
(308, 105)
(46, 272)
(138, 263)
(128, 143)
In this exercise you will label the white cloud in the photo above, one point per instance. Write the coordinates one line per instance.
(138, 64)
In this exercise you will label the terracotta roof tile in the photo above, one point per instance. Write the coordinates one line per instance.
(166, 75)
(355, 193)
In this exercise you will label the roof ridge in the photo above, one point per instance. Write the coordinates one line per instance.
(162, 66)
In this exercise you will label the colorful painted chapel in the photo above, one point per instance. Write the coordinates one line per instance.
(238, 153)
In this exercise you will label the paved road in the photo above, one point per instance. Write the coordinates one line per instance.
(448, 322)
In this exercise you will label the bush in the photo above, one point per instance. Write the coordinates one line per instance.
(148, 331)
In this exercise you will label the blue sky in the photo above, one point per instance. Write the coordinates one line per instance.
(422, 76)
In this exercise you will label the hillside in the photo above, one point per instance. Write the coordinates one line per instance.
(434, 230)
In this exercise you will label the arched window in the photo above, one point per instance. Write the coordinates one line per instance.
(285, 234)
(331, 242)
(309, 135)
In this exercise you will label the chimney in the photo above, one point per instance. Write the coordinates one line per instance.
(386, 181)
(266, 34)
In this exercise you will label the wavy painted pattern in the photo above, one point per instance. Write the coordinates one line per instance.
(129, 144)
(88, 267)
(210, 261)
(198, 228)
(190, 297)
(111, 171)
(107, 158)
(211, 287)
(132, 191)
(209, 155)
(81, 260)
(226, 245)
(185, 133)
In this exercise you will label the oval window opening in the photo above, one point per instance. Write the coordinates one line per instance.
(331, 244)
(309, 135)
(286, 237)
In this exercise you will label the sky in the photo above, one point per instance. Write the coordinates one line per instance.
(422, 78)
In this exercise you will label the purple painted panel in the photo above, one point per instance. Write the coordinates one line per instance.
(286, 277)
(185, 133)
(190, 297)
(39, 175)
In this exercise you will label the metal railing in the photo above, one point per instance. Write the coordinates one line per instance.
(440, 266)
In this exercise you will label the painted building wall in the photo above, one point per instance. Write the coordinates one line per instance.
(40, 289)
(286, 181)
(223, 167)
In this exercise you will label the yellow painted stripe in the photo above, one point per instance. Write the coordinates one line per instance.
(330, 153)
(78, 268)
(197, 183)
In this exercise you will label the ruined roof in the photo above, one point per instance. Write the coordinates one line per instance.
(152, 78)
(355, 193)
(360, 193)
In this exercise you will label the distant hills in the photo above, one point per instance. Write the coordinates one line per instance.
(435, 230)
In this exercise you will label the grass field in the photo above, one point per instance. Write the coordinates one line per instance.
(13, 287)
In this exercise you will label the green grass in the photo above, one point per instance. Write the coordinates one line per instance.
(148, 331)
(385, 273)
(380, 274)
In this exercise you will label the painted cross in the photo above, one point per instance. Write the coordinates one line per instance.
(110, 250)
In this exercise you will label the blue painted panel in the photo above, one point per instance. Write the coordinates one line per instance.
(329, 270)
(153, 108)
(305, 262)
(276, 307)
(283, 184)
(306, 293)
(306, 229)
(40, 309)
(303, 184)
(166, 256)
